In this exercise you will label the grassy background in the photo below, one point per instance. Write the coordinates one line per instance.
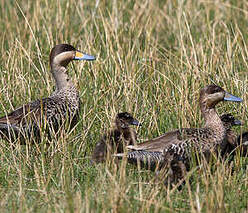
(152, 59)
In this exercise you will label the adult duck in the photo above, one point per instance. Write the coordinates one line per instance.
(117, 138)
(61, 107)
(177, 145)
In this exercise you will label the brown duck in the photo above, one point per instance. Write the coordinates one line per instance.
(176, 146)
(51, 112)
(114, 140)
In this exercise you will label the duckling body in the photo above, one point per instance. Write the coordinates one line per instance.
(114, 141)
(51, 112)
(177, 146)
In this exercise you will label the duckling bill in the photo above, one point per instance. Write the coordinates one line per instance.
(114, 140)
(177, 145)
(50, 113)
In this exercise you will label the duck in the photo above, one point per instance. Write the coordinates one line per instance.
(175, 147)
(234, 144)
(114, 140)
(180, 168)
(49, 113)
(229, 145)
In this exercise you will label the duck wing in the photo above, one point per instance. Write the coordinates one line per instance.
(21, 115)
(32, 116)
(21, 121)
(156, 144)
(168, 147)
(176, 141)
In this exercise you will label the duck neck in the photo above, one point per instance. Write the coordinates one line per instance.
(62, 80)
(212, 119)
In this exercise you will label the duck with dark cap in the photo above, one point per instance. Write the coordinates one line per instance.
(61, 107)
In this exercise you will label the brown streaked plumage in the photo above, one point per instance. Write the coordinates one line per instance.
(178, 145)
(47, 113)
(114, 140)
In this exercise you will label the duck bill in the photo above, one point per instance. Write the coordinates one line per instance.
(135, 122)
(83, 56)
(230, 97)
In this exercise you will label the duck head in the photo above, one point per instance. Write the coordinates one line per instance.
(213, 94)
(61, 55)
(229, 120)
(124, 120)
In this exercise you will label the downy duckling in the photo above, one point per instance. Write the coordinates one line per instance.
(229, 145)
(234, 144)
(62, 107)
(177, 146)
(114, 140)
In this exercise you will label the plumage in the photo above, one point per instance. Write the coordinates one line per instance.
(114, 140)
(62, 107)
(178, 145)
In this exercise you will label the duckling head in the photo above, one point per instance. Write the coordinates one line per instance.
(62, 54)
(124, 120)
(213, 94)
(229, 120)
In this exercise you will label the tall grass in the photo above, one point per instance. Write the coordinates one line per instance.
(152, 59)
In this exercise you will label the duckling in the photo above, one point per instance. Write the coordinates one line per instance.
(61, 107)
(176, 146)
(114, 140)
(234, 144)
(229, 145)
